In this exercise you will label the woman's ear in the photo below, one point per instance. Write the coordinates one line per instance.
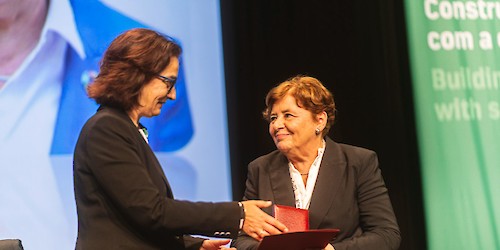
(322, 119)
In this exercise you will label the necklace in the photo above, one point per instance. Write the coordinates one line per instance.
(304, 174)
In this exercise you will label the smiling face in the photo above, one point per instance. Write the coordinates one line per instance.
(155, 93)
(293, 128)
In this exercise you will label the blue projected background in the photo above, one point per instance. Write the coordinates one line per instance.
(36, 183)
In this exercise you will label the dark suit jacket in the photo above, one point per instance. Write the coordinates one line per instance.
(349, 194)
(124, 200)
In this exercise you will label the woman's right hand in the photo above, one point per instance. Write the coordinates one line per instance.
(258, 223)
(215, 245)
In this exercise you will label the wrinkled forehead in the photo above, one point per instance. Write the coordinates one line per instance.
(286, 103)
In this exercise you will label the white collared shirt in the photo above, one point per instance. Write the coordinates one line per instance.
(144, 134)
(32, 209)
(303, 193)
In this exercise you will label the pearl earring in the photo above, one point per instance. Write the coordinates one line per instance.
(317, 131)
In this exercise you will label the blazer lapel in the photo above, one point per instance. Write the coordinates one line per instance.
(149, 152)
(281, 184)
(327, 184)
(151, 155)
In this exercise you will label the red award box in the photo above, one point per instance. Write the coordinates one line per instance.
(299, 237)
(295, 219)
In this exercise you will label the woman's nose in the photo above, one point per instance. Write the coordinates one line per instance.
(172, 94)
(278, 123)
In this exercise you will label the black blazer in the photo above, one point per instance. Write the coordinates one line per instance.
(124, 200)
(349, 194)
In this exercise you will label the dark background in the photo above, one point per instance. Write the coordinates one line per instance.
(358, 49)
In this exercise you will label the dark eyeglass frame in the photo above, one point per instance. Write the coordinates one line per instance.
(169, 81)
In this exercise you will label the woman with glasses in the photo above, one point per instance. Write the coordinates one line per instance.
(340, 185)
(123, 198)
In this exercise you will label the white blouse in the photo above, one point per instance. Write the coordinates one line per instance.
(303, 193)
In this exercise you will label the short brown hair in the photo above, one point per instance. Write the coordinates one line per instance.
(131, 61)
(310, 95)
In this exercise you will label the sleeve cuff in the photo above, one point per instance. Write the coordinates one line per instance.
(242, 215)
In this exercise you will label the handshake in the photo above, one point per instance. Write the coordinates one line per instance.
(259, 224)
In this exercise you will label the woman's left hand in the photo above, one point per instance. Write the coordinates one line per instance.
(215, 245)
(329, 247)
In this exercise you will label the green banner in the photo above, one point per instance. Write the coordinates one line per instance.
(455, 63)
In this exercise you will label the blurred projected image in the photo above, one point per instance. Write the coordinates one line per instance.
(49, 53)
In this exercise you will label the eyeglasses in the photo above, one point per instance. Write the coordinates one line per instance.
(170, 82)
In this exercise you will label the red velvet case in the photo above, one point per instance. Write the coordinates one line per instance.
(295, 219)
(299, 236)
